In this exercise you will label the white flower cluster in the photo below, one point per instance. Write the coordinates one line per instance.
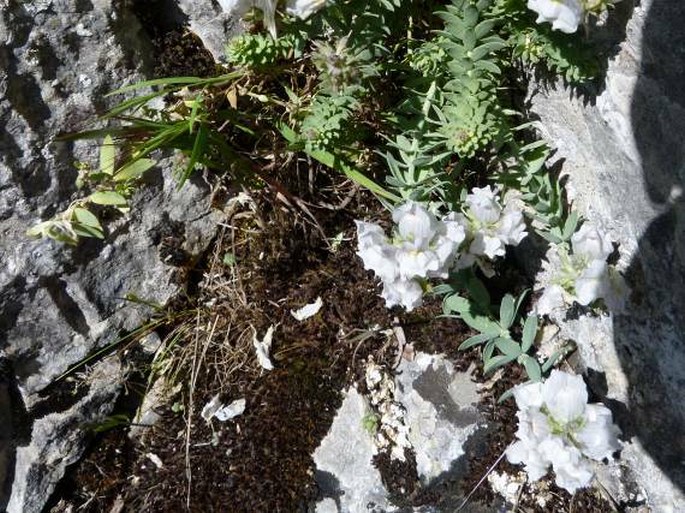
(427, 247)
(424, 247)
(489, 228)
(302, 9)
(557, 427)
(565, 15)
(583, 276)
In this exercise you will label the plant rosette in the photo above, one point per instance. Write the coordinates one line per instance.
(557, 427)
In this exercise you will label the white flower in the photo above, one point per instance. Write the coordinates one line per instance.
(242, 7)
(376, 252)
(557, 427)
(511, 228)
(598, 437)
(592, 282)
(414, 263)
(526, 452)
(565, 15)
(489, 227)
(407, 293)
(591, 244)
(484, 244)
(303, 9)
(415, 225)
(484, 205)
(529, 396)
(571, 470)
(583, 276)
(565, 396)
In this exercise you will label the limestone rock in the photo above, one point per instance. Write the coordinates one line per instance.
(58, 60)
(624, 152)
(444, 426)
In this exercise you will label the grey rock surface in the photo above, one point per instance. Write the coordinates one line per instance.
(444, 427)
(207, 19)
(624, 152)
(345, 471)
(441, 413)
(58, 59)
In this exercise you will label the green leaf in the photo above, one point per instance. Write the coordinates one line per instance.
(532, 368)
(87, 231)
(38, 230)
(474, 341)
(199, 148)
(570, 226)
(552, 360)
(506, 395)
(507, 311)
(334, 162)
(108, 198)
(470, 313)
(86, 218)
(442, 289)
(107, 155)
(530, 329)
(508, 347)
(488, 350)
(477, 290)
(133, 170)
(497, 361)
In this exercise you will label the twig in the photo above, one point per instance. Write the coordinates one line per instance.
(482, 479)
(193, 381)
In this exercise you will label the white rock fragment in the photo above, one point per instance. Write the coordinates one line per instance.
(307, 311)
(507, 485)
(392, 433)
(263, 347)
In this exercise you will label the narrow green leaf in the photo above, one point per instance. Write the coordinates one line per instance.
(199, 148)
(108, 198)
(474, 341)
(530, 328)
(133, 170)
(87, 218)
(570, 226)
(507, 310)
(532, 368)
(508, 346)
(497, 361)
(488, 350)
(88, 231)
(506, 395)
(552, 360)
(107, 156)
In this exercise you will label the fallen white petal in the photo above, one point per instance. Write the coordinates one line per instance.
(231, 411)
(211, 408)
(262, 348)
(307, 311)
(155, 459)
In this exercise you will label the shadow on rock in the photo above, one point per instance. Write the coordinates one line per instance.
(650, 336)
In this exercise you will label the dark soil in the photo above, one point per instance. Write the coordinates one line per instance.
(261, 461)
